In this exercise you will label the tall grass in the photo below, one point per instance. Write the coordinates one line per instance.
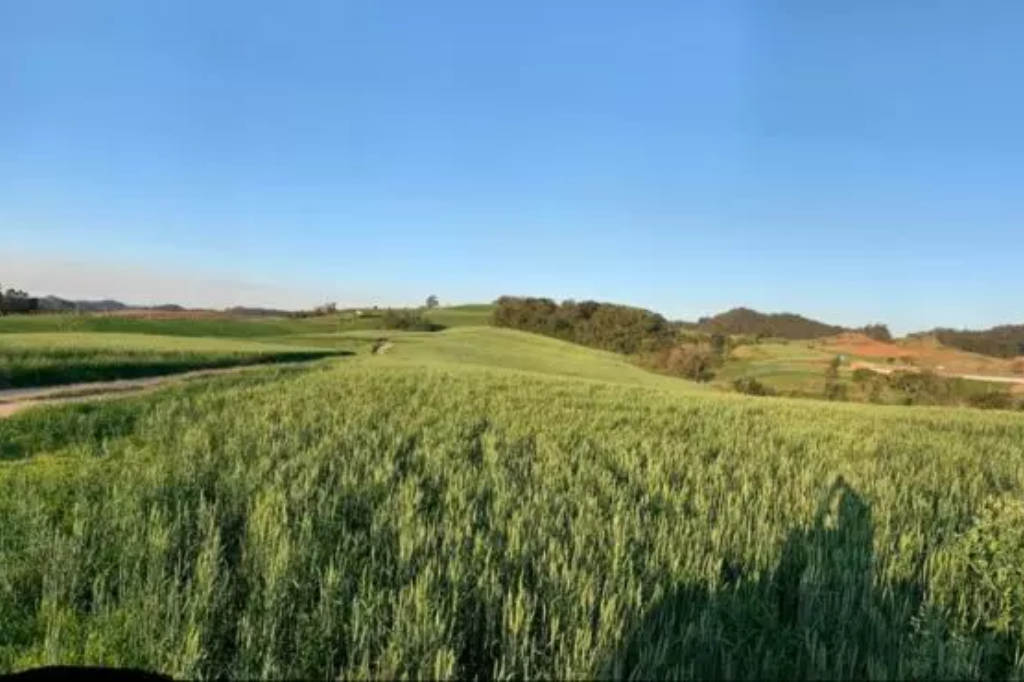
(389, 519)
(54, 359)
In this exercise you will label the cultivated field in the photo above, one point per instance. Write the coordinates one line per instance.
(481, 502)
(54, 359)
(798, 367)
(219, 325)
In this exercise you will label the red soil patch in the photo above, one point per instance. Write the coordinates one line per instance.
(863, 346)
(922, 353)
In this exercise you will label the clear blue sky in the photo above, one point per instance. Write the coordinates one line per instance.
(854, 160)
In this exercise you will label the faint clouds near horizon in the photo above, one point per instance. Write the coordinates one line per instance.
(144, 286)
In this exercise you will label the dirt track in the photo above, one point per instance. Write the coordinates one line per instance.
(17, 399)
(949, 375)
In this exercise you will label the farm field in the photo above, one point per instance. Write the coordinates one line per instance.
(797, 368)
(49, 359)
(218, 325)
(482, 502)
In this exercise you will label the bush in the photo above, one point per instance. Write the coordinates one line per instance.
(878, 332)
(862, 375)
(835, 391)
(611, 327)
(688, 362)
(751, 386)
(996, 400)
(408, 321)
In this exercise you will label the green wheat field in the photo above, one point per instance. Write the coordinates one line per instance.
(482, 503)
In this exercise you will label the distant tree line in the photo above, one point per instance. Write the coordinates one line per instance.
(607, 326)
(878, 332)
(17, 301)
(773, 325)
(747, 322)
(408, 321)
(1005, 341)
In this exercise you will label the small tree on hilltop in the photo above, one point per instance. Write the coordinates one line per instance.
(432, 302)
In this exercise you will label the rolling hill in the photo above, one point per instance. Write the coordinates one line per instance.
(486, 503)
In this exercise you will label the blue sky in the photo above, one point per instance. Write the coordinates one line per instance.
(854, 160)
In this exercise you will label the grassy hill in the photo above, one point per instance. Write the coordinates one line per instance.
(488, 503)
(463, 315)
(508, 349)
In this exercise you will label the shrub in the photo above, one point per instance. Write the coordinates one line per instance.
(405, 320)
(878, 332)
(751, 386)
(996, 400)
(615, 328)
(688, 362)
(862, 375)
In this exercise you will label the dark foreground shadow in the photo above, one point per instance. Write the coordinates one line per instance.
(816, 615)
(87, 673)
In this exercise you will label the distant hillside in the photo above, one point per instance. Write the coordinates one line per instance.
(778, 325)
(257, 312)
(1004, 341)
(55, 304)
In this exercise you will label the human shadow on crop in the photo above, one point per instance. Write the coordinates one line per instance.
(817, 614)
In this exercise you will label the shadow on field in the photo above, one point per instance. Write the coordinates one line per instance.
(816, 615)
(64, 374)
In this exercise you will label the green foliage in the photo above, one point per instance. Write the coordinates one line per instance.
(751, 386)
(408, 321)
(995, 400)
(878, 332)
(615, 328)
(777, 325)
(719, 344)
(863, 375)
(834, 389)
(404, 516)
(696, 363)
(16, 301)
(1005, 341)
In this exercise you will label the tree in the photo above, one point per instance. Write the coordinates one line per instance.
(719, 343)
(432, 302)
(878, 332)
(751, 386)
(833, 389)
(7, 298)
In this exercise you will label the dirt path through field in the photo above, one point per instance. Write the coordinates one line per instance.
(17, 399)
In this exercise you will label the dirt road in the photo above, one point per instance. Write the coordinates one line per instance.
(948, 375)
(17, 399)
(981, 377)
